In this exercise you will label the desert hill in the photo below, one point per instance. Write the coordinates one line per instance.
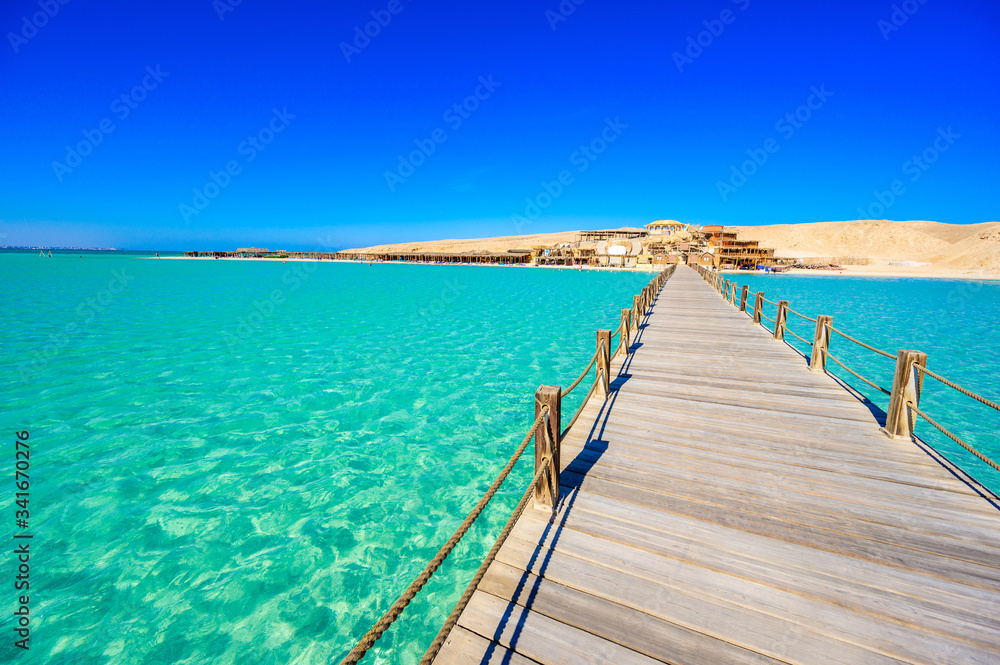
(500, 244)
(959, 249)
(967, 247)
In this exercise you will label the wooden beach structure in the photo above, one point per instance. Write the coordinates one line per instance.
(510, 257)
(719, 499)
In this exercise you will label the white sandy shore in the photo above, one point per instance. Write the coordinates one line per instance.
(879, 269)
(643, 269)
(883, 269)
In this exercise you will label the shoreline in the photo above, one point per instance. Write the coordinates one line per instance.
(649, 269)
(875, 271)
(881, 271)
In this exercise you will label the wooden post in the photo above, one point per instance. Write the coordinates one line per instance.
(743, 298)
(821, 343)
(779, 320)
(547, 446)
(725, 290)
(731, 296)
(906, 385)
(625, 342)
(636, 313)
(603, 362)
(758, 306)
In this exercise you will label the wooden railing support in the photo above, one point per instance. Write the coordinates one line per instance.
(725, 290)
(779, 320)
(821, 343)
(732, 294)
(758, 306)
(743, 298)
(603, 362)
(547, 446)
(625, 342)
(906, 385)
(636, 314)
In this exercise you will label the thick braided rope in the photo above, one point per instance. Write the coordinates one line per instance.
(582, 376)
(376, 631)
(770, 302)
(792, 333)
(442, 635)
(860, 343)
(765, 316)
(792, 311)
(978, 398)
(579, 409)
(830, 356)
(953, 437)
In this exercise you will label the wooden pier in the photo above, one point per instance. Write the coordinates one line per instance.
(725, 504)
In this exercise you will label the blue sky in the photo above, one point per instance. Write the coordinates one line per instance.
(276, 124)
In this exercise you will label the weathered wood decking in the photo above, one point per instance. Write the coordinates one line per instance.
(727, 505)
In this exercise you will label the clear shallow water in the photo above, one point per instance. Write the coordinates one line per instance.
(954, 321)
(246, 462)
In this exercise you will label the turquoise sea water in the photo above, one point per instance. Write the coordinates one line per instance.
(246, 462)
(954, 321)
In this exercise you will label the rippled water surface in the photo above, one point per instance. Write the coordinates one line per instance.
(956, 322)
(246, 462)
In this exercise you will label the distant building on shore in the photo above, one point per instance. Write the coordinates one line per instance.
(665, 227)
(624, 233)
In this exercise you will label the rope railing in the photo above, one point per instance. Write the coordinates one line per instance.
(964, 391)
(830, 356)
(641, 305)
(583, 375)
(951, 436)
(860, 343)
(579, 410)
(452, 619)
(807, 318)
(376, 631)
(792, 333)
(904, 383)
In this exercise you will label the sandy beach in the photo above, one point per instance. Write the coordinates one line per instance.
(932, 250)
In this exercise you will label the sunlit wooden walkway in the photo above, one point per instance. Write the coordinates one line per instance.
(727, 505)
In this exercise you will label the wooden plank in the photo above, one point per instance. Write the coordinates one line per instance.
(767, 621)
(541, 638)
(889, 490)
(856, 501)
(466, 648)
(620, 623)
(725, 504)
(941, 606)
(785, 527)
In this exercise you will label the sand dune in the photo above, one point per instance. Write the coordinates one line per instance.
(950, 249)
(500, 244)
(966, 248)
